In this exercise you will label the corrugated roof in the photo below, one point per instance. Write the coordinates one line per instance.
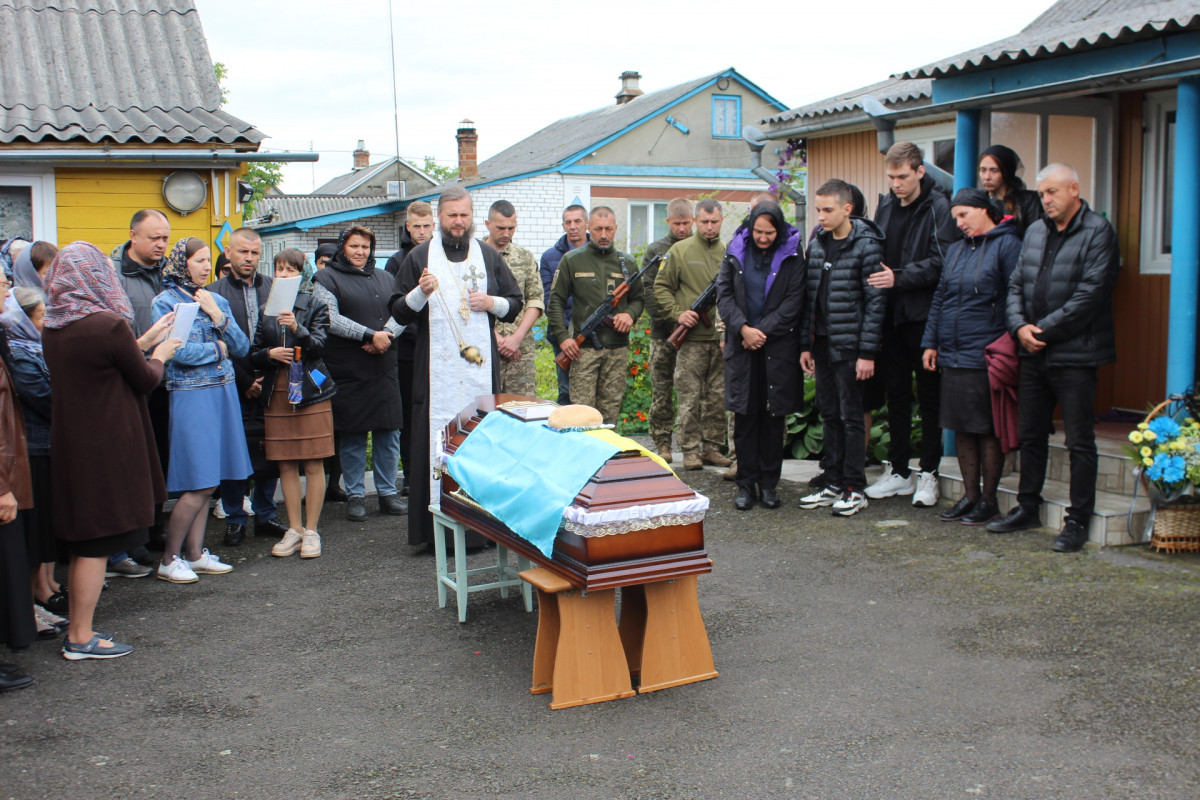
(352, 180)
(1071, 26)
(893, 93)
(276, 209)
(559, 141)
(117, 70)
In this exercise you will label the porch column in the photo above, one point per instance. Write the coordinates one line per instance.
(966, 148)
(1185, 239)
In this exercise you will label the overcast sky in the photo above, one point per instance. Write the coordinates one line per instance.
(315, 74)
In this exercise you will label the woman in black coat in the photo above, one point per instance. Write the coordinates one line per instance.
(760, 294)
(998, 167)
(968, 314)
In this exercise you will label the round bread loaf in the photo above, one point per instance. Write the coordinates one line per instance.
(575, 416)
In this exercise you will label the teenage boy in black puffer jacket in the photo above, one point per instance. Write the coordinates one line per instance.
(841, 331)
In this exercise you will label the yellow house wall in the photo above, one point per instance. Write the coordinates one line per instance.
(95, 205)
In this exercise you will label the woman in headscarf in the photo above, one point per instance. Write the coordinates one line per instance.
(298, 430)
(998, 168)
(208, 443)
(105, 487)
(360, 361)
(22, 319)
(966, 316)
(760, 293)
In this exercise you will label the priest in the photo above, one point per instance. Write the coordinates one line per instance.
(453, 290)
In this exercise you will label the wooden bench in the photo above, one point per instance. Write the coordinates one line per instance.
(507, 576)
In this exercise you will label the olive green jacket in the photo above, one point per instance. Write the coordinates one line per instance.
(659, 328)
(688, 269)
(585, 276)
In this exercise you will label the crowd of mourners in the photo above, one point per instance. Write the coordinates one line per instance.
(995, 304)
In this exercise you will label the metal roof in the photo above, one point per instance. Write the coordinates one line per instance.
(1072, 26)
(344, 184)
(110, 70)
(893, 93)
(278, 209)
(571, 137)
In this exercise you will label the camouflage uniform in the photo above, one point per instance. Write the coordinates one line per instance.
(585, 276)
(520, 376)
(687, 271)
(662, 355)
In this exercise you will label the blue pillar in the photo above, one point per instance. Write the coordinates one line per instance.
(966, 148)
(1185, 239)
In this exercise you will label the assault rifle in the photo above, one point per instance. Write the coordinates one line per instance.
(590, 330)
(703, 304)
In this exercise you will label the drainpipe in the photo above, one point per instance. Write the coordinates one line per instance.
(756, 141)
(966, 148)
(1185, 240)
(885, 137)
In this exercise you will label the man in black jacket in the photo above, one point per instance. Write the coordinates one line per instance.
(840, 334)
(1060, 312)
(247, 291)
(915, 219)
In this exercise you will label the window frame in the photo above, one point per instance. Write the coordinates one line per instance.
(1158, 106)
(44, 202)
(737, 126)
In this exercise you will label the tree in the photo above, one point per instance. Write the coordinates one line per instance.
(438, 172)
(262, 175)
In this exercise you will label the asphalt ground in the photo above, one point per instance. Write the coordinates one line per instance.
(882, 656)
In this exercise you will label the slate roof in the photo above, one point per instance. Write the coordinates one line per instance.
(277, 209)
(1071, 26)
(894, 93)
(123, 71)
(558, 142)
(351, 180)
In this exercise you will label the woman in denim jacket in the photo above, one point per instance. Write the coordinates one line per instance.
(208, 444)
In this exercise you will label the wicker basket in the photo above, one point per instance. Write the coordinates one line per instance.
(1177, 528)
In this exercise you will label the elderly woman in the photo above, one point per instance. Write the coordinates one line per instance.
(22, 319)
(208, 444)
(298, 431)
(99, 379)
(760, 293)
(966, 316)
(360, 361)
(998, 168)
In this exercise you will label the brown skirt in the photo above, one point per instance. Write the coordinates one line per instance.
(299, 434)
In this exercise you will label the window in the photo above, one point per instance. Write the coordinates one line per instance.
(1158, 183)
(27, 207)
(16, 212)
(647, 222)
(726, 116)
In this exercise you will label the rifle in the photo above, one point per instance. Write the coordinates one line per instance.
(702, 305)
(603, 313)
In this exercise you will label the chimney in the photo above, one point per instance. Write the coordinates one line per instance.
(468, 166)
(362, 159)
(629, 87)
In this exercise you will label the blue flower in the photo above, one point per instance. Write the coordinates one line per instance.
(1167, 468)
(1165, 428)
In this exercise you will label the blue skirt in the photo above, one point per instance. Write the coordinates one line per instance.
(208, 443)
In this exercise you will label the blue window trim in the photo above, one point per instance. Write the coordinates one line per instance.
(737, 103)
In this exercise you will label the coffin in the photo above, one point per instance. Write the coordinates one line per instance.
(588, 552)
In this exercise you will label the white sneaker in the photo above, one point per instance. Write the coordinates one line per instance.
(849, 504)
(177, 572)
(247, 506)
(927, 493)
(311, 546)
(209, 564)
(825, 497)
(890, 484)
(218, 510)
(289, 544)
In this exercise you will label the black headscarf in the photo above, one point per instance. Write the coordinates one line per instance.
(340, 259)
(978, 199)
(773, 212)
(1009, 163)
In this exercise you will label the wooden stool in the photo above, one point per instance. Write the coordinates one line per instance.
(578, 654)
(506, 575)
(663, 634)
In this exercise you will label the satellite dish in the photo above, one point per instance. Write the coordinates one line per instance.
(754, 137)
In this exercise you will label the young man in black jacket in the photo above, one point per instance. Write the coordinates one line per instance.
(1060, 312)
(916, 221)
(840, 334)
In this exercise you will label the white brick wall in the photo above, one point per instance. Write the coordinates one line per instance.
(539, 204)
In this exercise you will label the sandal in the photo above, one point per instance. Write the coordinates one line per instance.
(57, 602)
(78, 652)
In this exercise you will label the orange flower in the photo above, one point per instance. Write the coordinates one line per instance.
(645, 365)
(637, 352)
(633, 370)
(641, 415)
(647, 330)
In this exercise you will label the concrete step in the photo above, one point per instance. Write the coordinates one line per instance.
(1114, 472)
(1109, 525)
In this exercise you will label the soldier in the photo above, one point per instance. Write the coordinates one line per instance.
(662, 353)
(585, 276)
(689, 268)
(516, 347)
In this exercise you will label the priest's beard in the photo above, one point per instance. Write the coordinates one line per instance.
(452, 242)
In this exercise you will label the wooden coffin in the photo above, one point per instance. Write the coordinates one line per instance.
(593, 562)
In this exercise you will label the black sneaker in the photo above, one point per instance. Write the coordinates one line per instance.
(1072, 539)
(821, 481)
(356, 509)
(983, 513)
